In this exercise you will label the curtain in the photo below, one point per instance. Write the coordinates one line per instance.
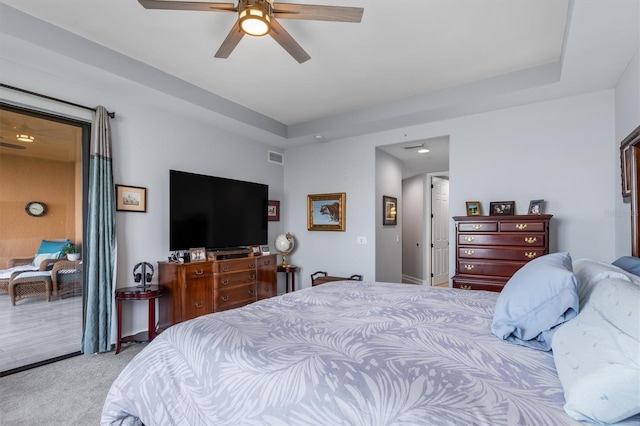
(101, 239)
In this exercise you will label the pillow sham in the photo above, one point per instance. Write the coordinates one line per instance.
(591, 272)
(539, 296)
(629, 263)
(44, 256)
(596, 355)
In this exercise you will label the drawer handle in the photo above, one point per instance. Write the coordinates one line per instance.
(477, 226)
(225, 268)
(251, 292)
(252, 265)
(469, 252)
(252, 276)
(267, 288)
(530, 240)
(521, 226)
(530, 254)
(469, 267)
(199, 271)
(225, 282)
(469, 239)
(225, 298)
(465, 287)
(199, 305)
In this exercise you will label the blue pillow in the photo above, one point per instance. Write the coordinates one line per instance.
(539, 297)
(52, 246)
(629, 264)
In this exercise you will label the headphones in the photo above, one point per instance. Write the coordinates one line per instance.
(137, 276)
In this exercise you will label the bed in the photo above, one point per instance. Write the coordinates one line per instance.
(347, 352)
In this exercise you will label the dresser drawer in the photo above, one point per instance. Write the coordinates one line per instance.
(498, 253)
(234, 297)
(522, 226)
(266, 261)
(266, 290)
(478, 227)
(198, 269)
(524, 239)
(221, 281)
(225, 266)
(495, 268)
(464, 285)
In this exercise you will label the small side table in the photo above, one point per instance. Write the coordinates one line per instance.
(289, 270)
(150, 293)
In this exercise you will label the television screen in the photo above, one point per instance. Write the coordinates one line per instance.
(215, 213)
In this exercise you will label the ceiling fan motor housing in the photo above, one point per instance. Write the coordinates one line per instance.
(254, 16)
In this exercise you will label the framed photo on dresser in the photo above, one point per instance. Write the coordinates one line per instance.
(500, 208)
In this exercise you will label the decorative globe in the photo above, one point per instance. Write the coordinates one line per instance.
(284, 244)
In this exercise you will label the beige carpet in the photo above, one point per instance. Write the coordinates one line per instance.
(68, 392)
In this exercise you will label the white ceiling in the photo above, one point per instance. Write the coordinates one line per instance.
(408, 61)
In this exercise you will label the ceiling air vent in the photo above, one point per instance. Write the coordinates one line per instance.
(275, 157)
(413, 146)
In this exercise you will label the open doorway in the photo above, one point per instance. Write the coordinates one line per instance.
(418, 169)
(43, 160)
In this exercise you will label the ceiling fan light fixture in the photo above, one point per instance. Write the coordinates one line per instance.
(25, 138)
(255, 19)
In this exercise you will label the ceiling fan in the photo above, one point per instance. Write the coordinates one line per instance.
(258, 18)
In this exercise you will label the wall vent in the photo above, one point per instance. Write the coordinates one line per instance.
(275, 157)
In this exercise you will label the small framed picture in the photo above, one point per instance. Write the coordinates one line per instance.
(265, 249)
(389, 210)
(197, 254)
(255, 250)
(536, 206)
(273, 210)
(473, 208)
(131, 199)
(502, 208)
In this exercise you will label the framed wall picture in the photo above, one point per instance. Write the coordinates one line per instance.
(273, 210)
(502, 208)
(473, 208)
(389, 210)
(197, 254)
(326, 212)
(131, 198)
(536, 206)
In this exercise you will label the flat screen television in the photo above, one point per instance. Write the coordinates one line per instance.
(215, 213)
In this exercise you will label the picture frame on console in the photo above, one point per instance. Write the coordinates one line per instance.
(256, 250)
(502, 208)
(326, 212)
(131, 198)
(197, 254)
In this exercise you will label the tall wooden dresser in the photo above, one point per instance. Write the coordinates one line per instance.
(199, 288)
(490, 249)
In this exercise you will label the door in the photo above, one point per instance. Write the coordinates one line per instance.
(43, 159)
(439, 230)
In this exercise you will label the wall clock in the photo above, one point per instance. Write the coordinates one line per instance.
(35, 208)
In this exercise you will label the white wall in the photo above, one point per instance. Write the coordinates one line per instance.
(561, 150)
(627, 119)
(388, 171)
(152, 133)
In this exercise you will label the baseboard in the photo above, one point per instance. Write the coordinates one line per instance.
(408, 279)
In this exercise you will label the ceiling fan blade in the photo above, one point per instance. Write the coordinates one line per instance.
(314, 12)
(188, 5)
(287, 42)
(230, 43)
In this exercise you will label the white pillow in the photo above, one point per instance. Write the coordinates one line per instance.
(597, 355)
(44, 256)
